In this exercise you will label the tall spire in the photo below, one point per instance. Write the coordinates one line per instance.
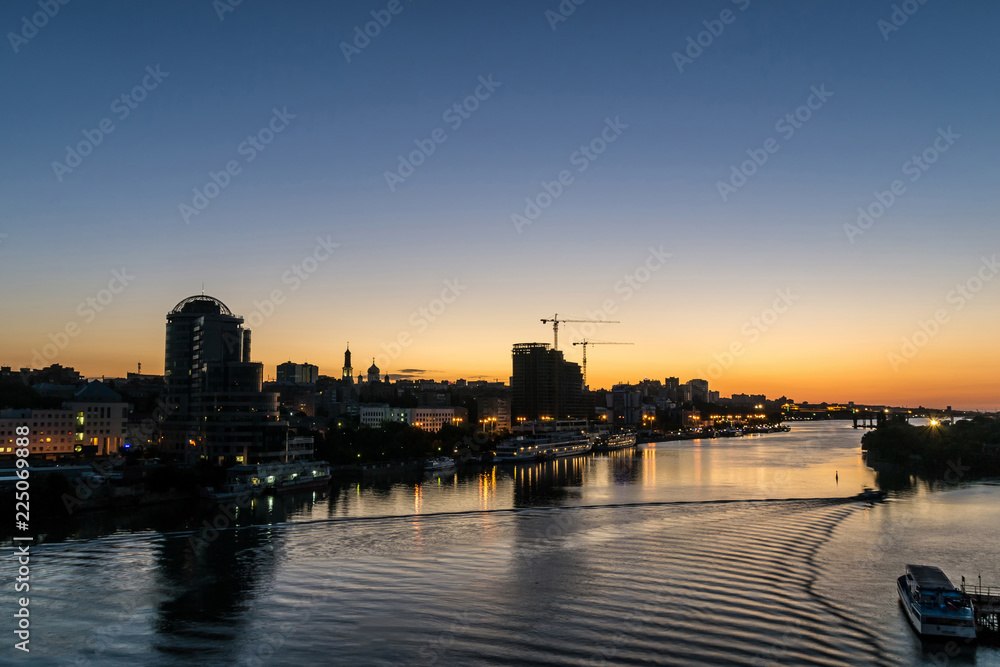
(348, 373)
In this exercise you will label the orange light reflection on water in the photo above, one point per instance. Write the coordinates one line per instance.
(649, 466)
(487, 488)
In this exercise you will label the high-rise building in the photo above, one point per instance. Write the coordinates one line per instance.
(544, 385)
(670, 386)
(625, 402)
(216, 408)
(292, 373)
(699, 390)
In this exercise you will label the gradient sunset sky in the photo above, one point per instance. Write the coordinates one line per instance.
(888, 95)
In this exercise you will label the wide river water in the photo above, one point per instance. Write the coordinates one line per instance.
(729, 551)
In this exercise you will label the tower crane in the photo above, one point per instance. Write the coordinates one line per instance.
(555, 327)
(585, 343)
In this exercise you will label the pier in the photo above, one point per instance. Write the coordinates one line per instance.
(986, 605)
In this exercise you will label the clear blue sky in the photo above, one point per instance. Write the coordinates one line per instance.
(324, 174)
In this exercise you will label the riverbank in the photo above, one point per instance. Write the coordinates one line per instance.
(965, 449)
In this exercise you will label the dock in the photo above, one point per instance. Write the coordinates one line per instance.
(986, 605)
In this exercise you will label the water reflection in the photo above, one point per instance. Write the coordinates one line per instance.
(547, 482)
(517, 575)
(207, 588)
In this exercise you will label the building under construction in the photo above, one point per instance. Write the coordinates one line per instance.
(544, 385)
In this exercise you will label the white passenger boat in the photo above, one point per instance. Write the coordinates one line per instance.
(543, 446)
(242, 482)
(612, 441)
(934, 606)
(440, 464)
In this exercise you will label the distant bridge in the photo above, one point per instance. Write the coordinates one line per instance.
(875, 418)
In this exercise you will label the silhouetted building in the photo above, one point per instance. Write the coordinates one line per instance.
(216, 408)
(544, 385)
(625, 402)
(348, 372)
(699, 390)
(671, 386)
(373, 372)
(292, 373)
(494, 413)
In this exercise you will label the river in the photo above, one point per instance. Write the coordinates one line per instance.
(728, 552)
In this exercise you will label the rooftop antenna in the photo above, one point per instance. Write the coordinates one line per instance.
(203, 289)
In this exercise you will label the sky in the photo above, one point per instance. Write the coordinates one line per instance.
(785, 198)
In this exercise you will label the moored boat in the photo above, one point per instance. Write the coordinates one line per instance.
(293, 475)
(440, 464)
(543, 446)
(934, 606)
(612, 441)
(242, 482)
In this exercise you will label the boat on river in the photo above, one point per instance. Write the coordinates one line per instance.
(245, 481)
(543, 446)
(870, 494)
(611, 441)
(934, 606)
(440, 464)
(242, 482)
(295, 475)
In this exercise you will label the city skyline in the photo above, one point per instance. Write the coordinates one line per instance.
(601, 164)
(362, 374)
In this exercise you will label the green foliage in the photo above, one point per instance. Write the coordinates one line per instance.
(171, 477)
(936, 446)
(392, 442)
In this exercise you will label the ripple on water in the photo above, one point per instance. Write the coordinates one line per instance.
(711, 583)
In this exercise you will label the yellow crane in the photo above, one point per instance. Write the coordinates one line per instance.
(585, 343)
(555, 326)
